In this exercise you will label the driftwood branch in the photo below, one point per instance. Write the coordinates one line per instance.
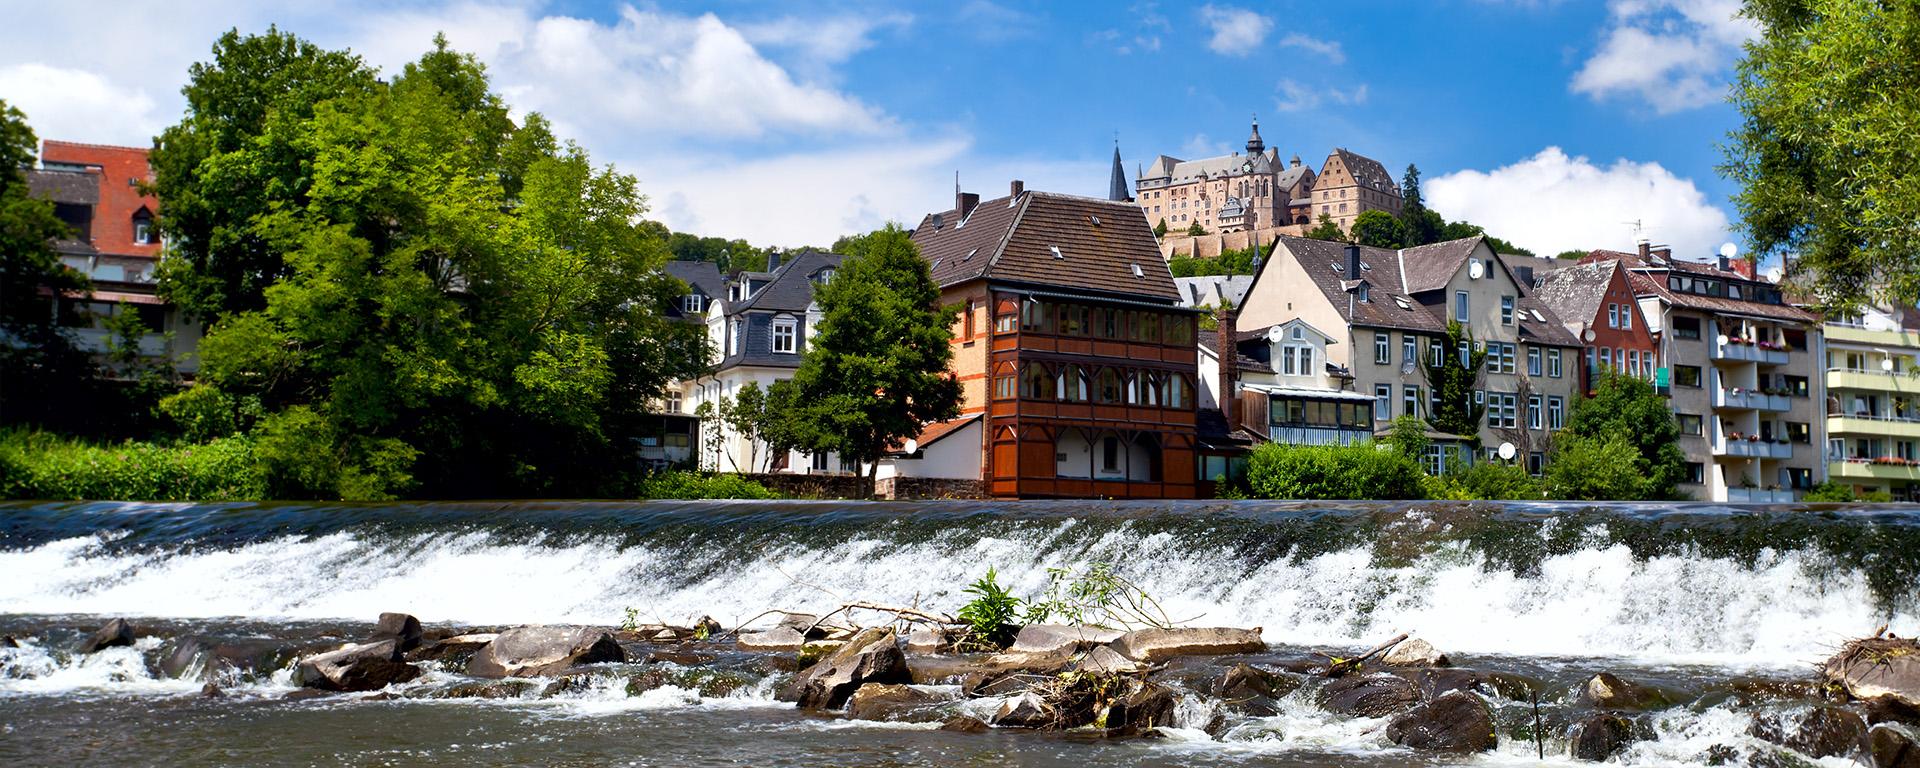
(900, 613)
(1343, 666)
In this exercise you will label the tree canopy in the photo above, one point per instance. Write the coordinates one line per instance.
(37, 359)
(1379, 229)
(1830, 96)
(1628, 409)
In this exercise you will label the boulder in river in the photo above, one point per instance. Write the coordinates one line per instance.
(1894, 746)
(112, 634)
(1822, 731)
(1878, 667)
(1151, 645)
(896, 703)
(1597, 736)
(403, 629)
(541, 651)
(1105, 661)
(1414, 652)
(454, 651)
(1027, 710)
(871, 656)
(1368, 695)
(1054, 638)
(1608, 691)
(197, 657)
(1455, 722)
(771, 641)
(965, 724)
(362, 667)
(1143, 707)
(928, 641)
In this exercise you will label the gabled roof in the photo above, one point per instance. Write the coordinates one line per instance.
(1201, 289)
(1388, 305)
(1049, 239)
(1575, 292)
(791, 288)
(1366, 171)
(1186, 170)
(1291, 176)
(1431, 267)
(1649, 278)
(1550, 329)
(702, 276)
(71, 187)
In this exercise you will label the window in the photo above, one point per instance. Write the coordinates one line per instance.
(675, 401)
(143, 230)
(1626, 317)
(1006, 323)
(1036, 383)
(1503, 410)
(1383, 401)
(966, 324)
(1556, 412)
(1072, 384)
(1606, 358)
(1536, 463)
(1553, 363)
(1796, 478)
(1107, 386)
(1436, 354)
(1460, 306)
(1686, 376)
(1797, 386)
(1690, 424)
(1296, 360)
(1633, 362)
(1686, 328)
(1533, 412)
(693, 303)
(1696, 472)
(1501, 358)
(1407, 355)
(819, 462)
(1613, 315)
(783, 335)
(1410, 400)
(1177, 389)
(1004, 388)
(1110, 454)
(1506, 310)
(1382, 348)
(1799, 432)
(1533, 361)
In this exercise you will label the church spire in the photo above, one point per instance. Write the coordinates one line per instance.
(1254, 144)
(1117, 185)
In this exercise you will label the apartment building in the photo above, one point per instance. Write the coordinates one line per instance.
(1075, 357)
(1741, 367)
(1597, 303)
(1385, 313)
(1873, 401)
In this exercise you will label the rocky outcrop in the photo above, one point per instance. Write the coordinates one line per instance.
(1607, 691)
(1153, 645)
(1026, 710)
(112, 634)
(403, 629)
(771, 641)
(196, 657)
(1056, 638)
(965, 724)
(897, 703)
(1878, 667)
(1597, 736)
(453, 651)
(1817, 732)
(1414, 653)
(362, 667)
(541, 651)
(1894, 746)
(1456, 722)
(1368, 695)
(870, 656)
(1142, 708)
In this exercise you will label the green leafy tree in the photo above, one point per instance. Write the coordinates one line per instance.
(1328, 230)
(1378, 229)
(1409, 436)
(1453, 379)
(1830, 96)
(1231, 262)
(1575, 254)
(1420, 224)
(1329, 472)
(1586, 468)
(1486, 481)
(876, 372)
(1195, 230)
(1628, 408)
(39, 364)
(1160, 229)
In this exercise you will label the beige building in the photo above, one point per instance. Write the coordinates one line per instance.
(1350, 184)
(1258, 192)
(1384, 315)
(1873, 401)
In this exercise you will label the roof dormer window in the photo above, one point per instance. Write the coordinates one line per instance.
(143, 228)
(785, 335)
(693, 304)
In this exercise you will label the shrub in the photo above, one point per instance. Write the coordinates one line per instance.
(677, 484)
(1840, 492)
(991, 615)
(1358, 471)
(42, 466)
(1485, 481)
(1596, 469)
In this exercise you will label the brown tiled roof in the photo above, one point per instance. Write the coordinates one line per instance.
(933, 431)
(1551, 332)
(1649, 278)
(1325, 262)
(1100, 243)
(1431, 267)
(1367, 172)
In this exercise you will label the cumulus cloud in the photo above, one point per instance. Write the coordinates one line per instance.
(1671, 55)
(1328, 49)
(1202, 145)
(1552, 202)
(69, 103)
(1236, 31)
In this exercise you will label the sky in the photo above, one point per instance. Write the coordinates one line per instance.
(1556, 124)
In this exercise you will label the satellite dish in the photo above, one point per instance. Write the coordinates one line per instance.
(1275, 334)
(1506, 451)
(1729, 250)
(1588, 335)
(912, 446)
(1720, 339)
(1774, 274)
(1476, 270)
(1886, 364)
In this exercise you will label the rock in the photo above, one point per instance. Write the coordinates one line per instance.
(707, 627)
(455, 651)
(7, 641)
(1105, 661)
(1253, 690)
(212, 691)
(1597, 736)
(1456, 722)
(362, 667)
(927, 641)
(805, 623)
(869, 657)
(539, 651)
(1887, 710)
(1894, 746)
(1415, 653)
(771, 641)
(1878, 667)
(1606, 691)
(1434, 682)
(403, 629)
(1145, 707)
(964, 724)
(1027, 710)
(198, 657)
(1822, 731)
(304, 694)
(1151, 645)
(112, 634)
(1368, 695)
(1054, 638)
(896, 703)
(483, 689)
(814, 650)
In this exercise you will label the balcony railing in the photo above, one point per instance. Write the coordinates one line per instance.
(1876, 380)
(1759, 496)
(1751, 352)
(1753, 449)
(1297, 435)
(1749, 399)
(1884, 468)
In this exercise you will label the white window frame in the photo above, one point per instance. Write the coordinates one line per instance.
(1534, 415)
(1383, 402)
(1533, 361)
(1613, 316)
(1553, 364)
(1409, 350)
(693, 303)
(1462, 306)
(1382, 348)
(791, 336)
(1506, 310)
(1556, 412)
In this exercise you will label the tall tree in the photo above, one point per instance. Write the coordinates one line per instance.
(1628, 409)
(1327, 230)
(38, 361)
(1452, 376)
(1420, 224)
(1379, 229)
(876, 372)
(1825, 157)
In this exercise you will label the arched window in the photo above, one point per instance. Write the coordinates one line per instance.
(1036, 383)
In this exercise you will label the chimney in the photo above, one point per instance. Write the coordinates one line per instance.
(1646, 249)
(1016, 188)
(1723, 264)
(1664, 253)
(1229, 366)
(773, 259)
(1353, 261)
(963, 203)
(1745, 268)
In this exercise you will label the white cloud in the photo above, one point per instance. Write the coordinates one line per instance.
(75, 104)
(1330, 49)
(1297, 97)
(1552, 202)
(1236, 31)
(1202, 145)
(821, 44)
(1672, 55)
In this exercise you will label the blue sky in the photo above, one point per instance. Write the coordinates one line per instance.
(1552, 122)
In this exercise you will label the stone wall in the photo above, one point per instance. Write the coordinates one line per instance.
(930, 488)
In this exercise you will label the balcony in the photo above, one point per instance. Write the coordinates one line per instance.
(1735, 350)
(1740, 448)
(1872, 469)
(1845, 425)
(1297, 435)
(1749, 400)
(1758, 496)
(1836, 332)
(1873, 380)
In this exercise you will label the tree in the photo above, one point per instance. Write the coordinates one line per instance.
(1588, 468)
(1421, 225)
(1379, 229)
(876, 371)
(1327, 230)
(1575, 254)
(1195, 230)
(1329, 472)
(1460, 230)
(1830, 96)
(1453, 376)
(1160, 229)
(1629, 409)
(38, 360)
(1409, 437)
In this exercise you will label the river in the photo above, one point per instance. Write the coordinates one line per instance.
(1689, 597)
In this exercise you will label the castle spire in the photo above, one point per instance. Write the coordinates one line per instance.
(1254, 144)
(1117, 185)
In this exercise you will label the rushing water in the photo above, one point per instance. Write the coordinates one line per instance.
(1685, 596)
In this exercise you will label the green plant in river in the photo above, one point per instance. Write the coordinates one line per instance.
(1098, 598)
(991, 615)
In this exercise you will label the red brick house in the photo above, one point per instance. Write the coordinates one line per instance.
(1597, 303)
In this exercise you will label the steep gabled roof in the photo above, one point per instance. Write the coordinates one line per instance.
(1576, 292)
(1550, 329)
(1366, 171)
(1388, 306)
(791, 289)
(1049, 239)
(1431, 267)
(72, 187)
(702, 276)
